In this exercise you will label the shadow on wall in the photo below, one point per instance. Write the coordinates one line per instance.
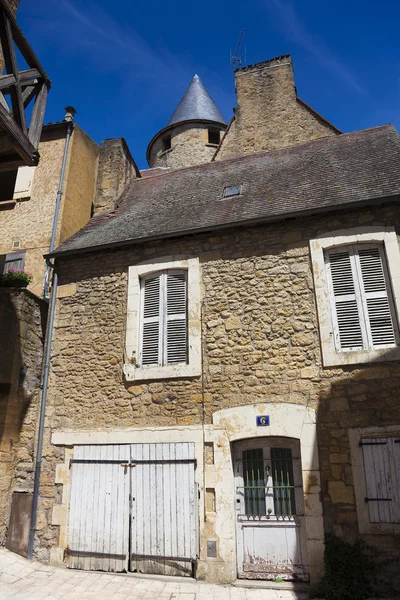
(22, 332)
(352, 398)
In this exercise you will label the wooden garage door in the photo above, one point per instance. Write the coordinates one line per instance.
(134, 507)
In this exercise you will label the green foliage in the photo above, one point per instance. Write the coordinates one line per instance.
(278, 580)
(14, 276)
(349, 571)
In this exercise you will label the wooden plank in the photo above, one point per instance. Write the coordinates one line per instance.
(12, 67)
(23, 45)
(21, 143)
(26, 77)
(37, 118)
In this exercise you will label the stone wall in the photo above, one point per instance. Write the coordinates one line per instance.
(30, 221)
(80, 184)
(189, 147)
(260, 344)
(269, 116)
(116, 171)
(22, 330)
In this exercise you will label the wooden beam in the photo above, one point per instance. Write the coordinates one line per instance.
(12, 67)
(23, 45)
(29, 93)
(26, 77)
(37, 117)
(21, 143)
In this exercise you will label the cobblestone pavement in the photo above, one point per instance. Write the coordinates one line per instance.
(21, 579)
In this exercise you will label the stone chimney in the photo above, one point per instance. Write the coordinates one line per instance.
(116, 171)
(269, 114)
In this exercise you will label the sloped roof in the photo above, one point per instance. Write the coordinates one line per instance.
(196, 105)
(326, 174)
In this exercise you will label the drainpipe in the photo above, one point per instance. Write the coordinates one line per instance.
(69, 117)
(49, 334)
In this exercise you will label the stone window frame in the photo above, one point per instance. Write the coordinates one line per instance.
(135, 372)
(357, 462)
(343, 237)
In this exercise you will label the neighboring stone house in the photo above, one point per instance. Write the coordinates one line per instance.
(28, 198)
(225, 356)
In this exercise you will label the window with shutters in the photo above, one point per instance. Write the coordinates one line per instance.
(163, 337)
(163, 331)
(357, 288)
(13, 261)
(376, 473)
(363, 315)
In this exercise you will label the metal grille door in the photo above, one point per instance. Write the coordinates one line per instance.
(270, 520)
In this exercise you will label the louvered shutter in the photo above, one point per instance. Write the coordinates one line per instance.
(344, 302)
(378, 480)
(176, 318)
(14, 261)
(374, 284)
(151, 333)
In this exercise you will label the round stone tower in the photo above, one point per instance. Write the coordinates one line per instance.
(192, 133)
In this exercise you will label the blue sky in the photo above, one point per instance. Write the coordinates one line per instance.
(124, 64)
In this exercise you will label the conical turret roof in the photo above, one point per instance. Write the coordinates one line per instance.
(196, 105)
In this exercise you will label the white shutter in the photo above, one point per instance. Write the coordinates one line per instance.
(176, 318)
(378, 480)
(163, 327)
(150, 351)
(375, 296)
(23, 183)
(361, 301)
(344, 302)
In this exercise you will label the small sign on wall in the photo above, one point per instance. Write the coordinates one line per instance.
(262, 420)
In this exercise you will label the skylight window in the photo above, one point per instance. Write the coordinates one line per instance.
(232, 190)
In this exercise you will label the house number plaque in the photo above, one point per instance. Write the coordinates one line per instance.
(262, 420)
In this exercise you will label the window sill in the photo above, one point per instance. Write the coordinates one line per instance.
(331, 358)
(212, 145)
(150, 372)
(7, 204)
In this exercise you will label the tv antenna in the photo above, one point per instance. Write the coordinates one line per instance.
(238, 60)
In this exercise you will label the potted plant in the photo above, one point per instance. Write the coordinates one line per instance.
(14, 278)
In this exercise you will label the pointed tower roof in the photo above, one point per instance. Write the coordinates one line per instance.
(196, 105)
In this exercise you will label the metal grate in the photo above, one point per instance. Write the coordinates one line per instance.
(283, 482)
(254, 483)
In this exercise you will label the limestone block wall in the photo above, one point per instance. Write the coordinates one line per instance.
(80, 184)
(116, 171)
(260, 345)
(189, 147)
(269, 115)
(30, 221)
(22, 330)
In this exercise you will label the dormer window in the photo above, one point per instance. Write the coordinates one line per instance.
(166, 143)
(232, 190)
(213, 137)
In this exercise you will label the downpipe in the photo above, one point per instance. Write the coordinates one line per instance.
(49, 334)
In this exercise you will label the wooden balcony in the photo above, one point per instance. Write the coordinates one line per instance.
(23, 96)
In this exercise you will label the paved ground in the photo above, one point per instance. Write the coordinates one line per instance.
(21, 579)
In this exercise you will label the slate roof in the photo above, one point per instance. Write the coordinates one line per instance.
(196, 105)
(322, 175)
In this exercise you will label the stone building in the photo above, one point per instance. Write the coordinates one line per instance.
(28, 218)
(225, 355)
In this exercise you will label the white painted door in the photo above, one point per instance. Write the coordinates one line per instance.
(164, 509)
(99, 509)
(134, 507)
(269, 509)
